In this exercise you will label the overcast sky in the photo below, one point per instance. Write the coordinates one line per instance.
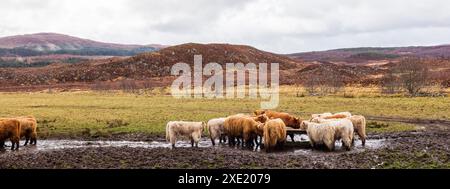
(283, 26)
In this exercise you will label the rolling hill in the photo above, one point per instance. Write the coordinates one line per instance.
(142, 66)
(53, 43)
(366, 54)
(154, 67)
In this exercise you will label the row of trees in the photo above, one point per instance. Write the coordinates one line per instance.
(410, 75)
(126, 85)
(330, 83)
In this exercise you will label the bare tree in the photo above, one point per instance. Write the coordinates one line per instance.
(332, 83)
(148, 84)
(413, 74)
(390, 83)
(312, 85)
(336, 82)
(128, 85)
(100, 86)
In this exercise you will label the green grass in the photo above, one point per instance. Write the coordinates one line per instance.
(80, 113)
(418, 160)
(380, 127)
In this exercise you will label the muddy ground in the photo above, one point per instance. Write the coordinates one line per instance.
(427, 148)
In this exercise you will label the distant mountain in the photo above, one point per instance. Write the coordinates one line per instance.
(53, 43)
(155, 67)
(141, 67)
(355, 55)
(219, 53)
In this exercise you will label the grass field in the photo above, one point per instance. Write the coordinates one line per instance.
(93, 113)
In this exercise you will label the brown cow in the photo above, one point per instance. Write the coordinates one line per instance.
(28, 129)
(245, 127)
(10, 129)
(274, 134)
(28, 125)
(289, 121)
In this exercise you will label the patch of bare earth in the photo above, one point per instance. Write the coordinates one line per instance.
(428, 148)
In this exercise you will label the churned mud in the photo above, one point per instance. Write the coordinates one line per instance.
(427, 148)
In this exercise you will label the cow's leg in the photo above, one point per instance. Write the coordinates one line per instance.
(17, 143)
(292, 137)
(250, 143)
(313, 145)
(267, 149)
(13, 142)
(232, 141)
(34, 139)
(213, 141)
(362, 137)
(224, 139)
(173, 140)
(192, 142)
(26, 140)
(353, 140)
(331, 147)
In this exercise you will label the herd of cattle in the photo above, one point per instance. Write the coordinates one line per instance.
(271, 127)
(16, 128)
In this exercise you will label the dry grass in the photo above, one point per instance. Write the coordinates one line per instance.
(78, 113)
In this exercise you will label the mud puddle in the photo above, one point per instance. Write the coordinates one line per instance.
(370, 144)
(300, 146)
(47, 145)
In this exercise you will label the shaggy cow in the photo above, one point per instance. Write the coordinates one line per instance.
(192, 130)
(216, 130)
(321, 115)
(339, 115)
(289, 121)
(245, 127)
(28, 125)
(260, 133)
(10, 129)
(359, 126)
(274, 134)
(328, 132)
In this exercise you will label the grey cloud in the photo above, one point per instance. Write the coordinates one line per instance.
(280, 26)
